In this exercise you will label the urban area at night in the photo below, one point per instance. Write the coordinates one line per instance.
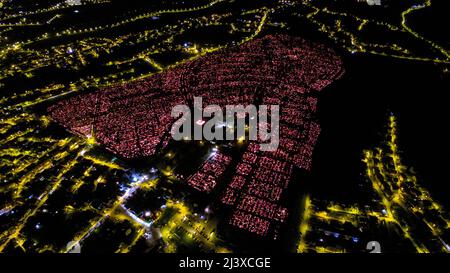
(88, 159)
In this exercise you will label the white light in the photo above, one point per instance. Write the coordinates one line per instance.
(200, 122)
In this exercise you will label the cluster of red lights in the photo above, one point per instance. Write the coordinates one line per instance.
(258, 191)
(134, 120)
(205, 179)
(294, 69)
(249, 222)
